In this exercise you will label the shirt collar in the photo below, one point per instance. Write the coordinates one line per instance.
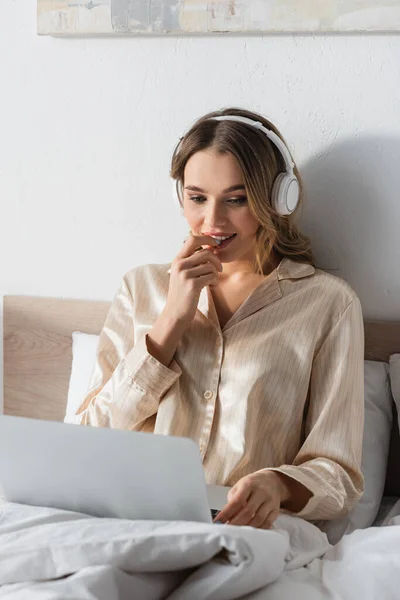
(266, 293)
(291, 269)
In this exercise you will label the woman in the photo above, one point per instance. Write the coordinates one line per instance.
(242, 345)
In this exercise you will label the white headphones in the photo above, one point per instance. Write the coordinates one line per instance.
(286, 189)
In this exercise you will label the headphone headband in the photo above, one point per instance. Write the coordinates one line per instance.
(286, 187)
(275, 139)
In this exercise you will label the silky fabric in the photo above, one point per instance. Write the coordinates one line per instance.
(279, 387)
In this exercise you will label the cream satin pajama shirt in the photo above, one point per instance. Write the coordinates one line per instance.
(279, 387)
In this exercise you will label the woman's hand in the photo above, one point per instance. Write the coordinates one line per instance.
(191, 271)
(255, 500)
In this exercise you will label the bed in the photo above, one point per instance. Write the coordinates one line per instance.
(37, 364)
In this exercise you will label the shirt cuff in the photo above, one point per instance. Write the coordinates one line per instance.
(147, 373)
(298, 475)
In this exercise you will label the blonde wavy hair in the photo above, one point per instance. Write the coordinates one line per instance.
(260, 162)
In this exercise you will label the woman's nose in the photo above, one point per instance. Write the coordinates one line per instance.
(215, 216)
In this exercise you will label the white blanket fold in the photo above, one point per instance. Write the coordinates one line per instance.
(50, 554)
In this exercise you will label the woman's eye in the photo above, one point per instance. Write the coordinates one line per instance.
(238, 201)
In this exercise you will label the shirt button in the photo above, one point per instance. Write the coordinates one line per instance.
(218, 342)
(208, 395)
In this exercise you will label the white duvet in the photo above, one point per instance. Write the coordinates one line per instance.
(50, 554)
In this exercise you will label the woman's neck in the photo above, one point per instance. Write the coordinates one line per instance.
(240, 270)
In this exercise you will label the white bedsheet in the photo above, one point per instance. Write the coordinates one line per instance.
(50, 554)
(364, 565)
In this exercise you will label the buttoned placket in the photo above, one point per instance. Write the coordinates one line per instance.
(210, 395)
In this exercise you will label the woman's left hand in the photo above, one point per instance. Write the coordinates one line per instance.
(255, 500)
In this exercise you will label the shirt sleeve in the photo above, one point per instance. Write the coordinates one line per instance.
(127, 383)
(329, 461)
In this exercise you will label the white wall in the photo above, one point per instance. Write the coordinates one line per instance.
(87, 127)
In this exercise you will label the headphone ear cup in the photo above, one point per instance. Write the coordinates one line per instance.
(285, 193)
(175, 196)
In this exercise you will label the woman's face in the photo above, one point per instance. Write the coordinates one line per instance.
(215, 204)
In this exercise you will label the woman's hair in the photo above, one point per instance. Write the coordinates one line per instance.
(261, 162)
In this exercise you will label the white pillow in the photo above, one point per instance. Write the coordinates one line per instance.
(1, 355)
(394, 363)
(377, 432)
(84, 348)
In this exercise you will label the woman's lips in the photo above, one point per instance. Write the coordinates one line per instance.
(225, 243)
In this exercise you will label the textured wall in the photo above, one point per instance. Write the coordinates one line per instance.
(87, 127)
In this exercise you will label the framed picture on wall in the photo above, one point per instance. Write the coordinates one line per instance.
(96, 17)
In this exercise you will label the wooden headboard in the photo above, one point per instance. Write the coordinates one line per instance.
(38, 358)
(38, 351)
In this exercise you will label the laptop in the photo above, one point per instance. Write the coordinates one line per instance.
(104, 472)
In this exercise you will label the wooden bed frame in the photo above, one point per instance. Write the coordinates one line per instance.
(38, 358)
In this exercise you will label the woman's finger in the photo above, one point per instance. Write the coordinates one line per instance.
(237, 500)
(260, 517)
(204, 269)
(248, 512)
(192, 243)
(201, 257)
(211, 279)
(271, 518)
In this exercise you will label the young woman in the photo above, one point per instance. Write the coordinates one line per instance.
(241, 344)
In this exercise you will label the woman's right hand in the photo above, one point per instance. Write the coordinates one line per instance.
(191, 271)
